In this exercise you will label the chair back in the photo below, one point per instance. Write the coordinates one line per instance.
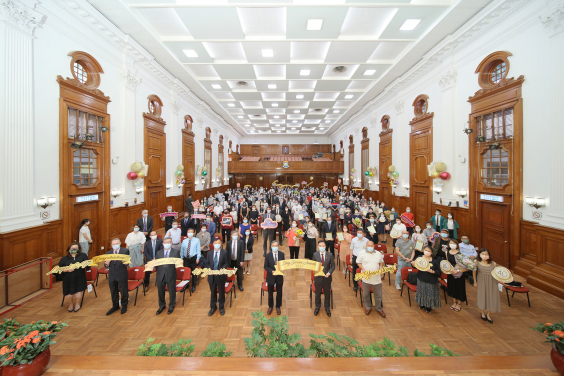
(182, 238)
(211, 246)
(312, 276)
(381, 248)
(159, 236)
(350, 227)
(254, 228)
(390, 259)
(265, 275)
(232, 278)
(183, 273)
(348, 259)
(444, 275)
(218, 236)
(301, 227)
(91, 274)
(135, 274)
(406, 271)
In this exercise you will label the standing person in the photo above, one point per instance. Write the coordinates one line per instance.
(244, 226)
(210, 224)
(488, 294)
(188, 204)
(184, 224)
(469, 251)
(249, 240)
(175, 234)
(226, 222)
(345, 248)
(84, 237)
(428, 295)
(400, 228)
(371, 261)
(405, 249)
(117, 278)
(383, 225)
(409, 215)
(150, 250)
(191, 252)
(166, 276)
(438, 221)
(236, 249)
(268, 233)
(145, 223)
(329, 233)
(205, 239)
(293, 241)
(441, 246)
(428, 231)
(168, 220)
(323, 283)
(217, 259)
(358, 244)
(274, 280)
(134, 242)
(310, 238)
(286, 216)
(452, 226)
(74, 281)
(254, 215)
(370, 235)
(456, 282)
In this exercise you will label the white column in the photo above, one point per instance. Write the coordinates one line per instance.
(447, 127)
(174, 147)
(554, 22)
(374, 151)
(400, 152)
(127, 137)
(18, 20)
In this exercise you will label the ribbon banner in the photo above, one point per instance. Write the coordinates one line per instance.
(164, 261)
(126, 259)
(86, 263)
(407, 221)
(170, 214)
(284, 265)
(77, 265)
(199, 216)
(207, 271)
(368, 274)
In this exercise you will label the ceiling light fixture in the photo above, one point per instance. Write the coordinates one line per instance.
(272, 86)
(277, 117)
(409, 24)
(296, 111)
(327, 121)
(231, 104)
(190, 53)
(216, 86)
(274, 104)
(300, 96)
(278, 131)
(304, 72)
(246, 125)
(267, 53)
(340, 69)
(294, 121)
(252, 131)
(314, 24)
(240, 117)
(336, 111)
(293, 128)
(348, 96)
(369, 72)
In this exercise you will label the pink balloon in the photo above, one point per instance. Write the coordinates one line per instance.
(444, 175)
(132, 175)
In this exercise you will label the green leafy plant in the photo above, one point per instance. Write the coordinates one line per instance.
(383, 348)
(271, 338)
(333, 345)
(181, 348)
(216, 349)
(435, 351)
(21, 344)
(554, 334)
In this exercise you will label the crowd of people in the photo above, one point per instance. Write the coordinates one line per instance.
(330, 224)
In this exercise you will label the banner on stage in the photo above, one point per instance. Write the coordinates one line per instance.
(368, 274)
(164, 261)
(207, 271)
(169, 214)
(126, 259)
(284, 265)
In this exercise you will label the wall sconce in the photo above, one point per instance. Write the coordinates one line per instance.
(77, 144)
(116, 192)
(89, 136)
(462, 193)
(45, 202)
(168, 186)
(406, 187)
(438, 190)
(138, 190)
(535, 202)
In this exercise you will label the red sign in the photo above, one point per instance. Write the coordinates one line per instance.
(199, 216)
(335, 188)
(196, 203)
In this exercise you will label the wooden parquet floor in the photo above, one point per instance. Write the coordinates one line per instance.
(90, 332)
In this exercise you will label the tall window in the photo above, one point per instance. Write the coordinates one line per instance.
(84, 126)
(495, 167)
(207, 163)
(496, 126)
(85, 167)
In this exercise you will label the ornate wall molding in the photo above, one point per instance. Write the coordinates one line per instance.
(130, 79)
(21, 13)
(554, 21)
(374, 122)
(175, 106)
(448, 80)
(399, 106)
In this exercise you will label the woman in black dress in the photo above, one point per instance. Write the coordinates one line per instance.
(286, 219)
(253, 216)
(456, 282)
(74, 281)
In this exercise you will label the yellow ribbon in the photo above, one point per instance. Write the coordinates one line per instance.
(126, 259)
(164, 261)
(284, 265)
(207, 271)
(367, 274)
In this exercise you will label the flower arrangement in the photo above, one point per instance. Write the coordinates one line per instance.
(21, 344)
(554, 334)
(299, 233)
(357, 222)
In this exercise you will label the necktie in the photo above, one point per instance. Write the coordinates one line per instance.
(189, 243)
(275, 257)
(322, 259)
(144, 224)
(116, 251)
(234, 255)
(166, 254)
(215, 260)
(153, 249)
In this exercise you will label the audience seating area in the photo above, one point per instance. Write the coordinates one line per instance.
(250, 159)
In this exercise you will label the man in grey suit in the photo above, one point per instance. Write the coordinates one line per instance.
(166, 276)
(268, 233)
(117, 278)
(323, 283)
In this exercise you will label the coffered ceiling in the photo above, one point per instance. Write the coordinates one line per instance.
(287, 66)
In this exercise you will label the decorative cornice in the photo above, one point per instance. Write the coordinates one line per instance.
(386, 132)
(448, 80)
(77, 84)
(421, 118)
(399, 106)
(554, 21)
(199, 121)
(506, 83)
(157, 119)
(129, 79)
(21, 13)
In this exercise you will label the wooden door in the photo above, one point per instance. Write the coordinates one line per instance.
(188, 158)
(385, 163)
(155, 204)
(494, 229)
(421, 146)
(87, 210)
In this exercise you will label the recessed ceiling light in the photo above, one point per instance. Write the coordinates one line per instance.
(316, 143)
(295, 121)
(327, 121)
(293, 128)
(216, 86)
(277, 117)
(267, 53)
(272, 86)
(348, 96)
(299, 96)
(304, 72)
(274, 104)
(296, 111)
(246, 125)
(190, 53)
(253, 132)
(240, 117)
(314, 24)
(336, 111)
(369, 72)
(409, 24)
(231, 104)
(278, 131)
(277, 125)
(321, 129)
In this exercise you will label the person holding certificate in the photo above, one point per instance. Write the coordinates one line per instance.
(226, 221)
(329, 233)
(371, 230)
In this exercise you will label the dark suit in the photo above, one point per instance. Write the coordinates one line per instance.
(148, 228)
(331, 230)
(189, 207)
(148, 252)
(184, 225)
(271, 280)
(372, 238)
(217, 282)
(117, 279)
(240, 257)
(166, 276)
(280, 228)
(324, 282)
(268, 233)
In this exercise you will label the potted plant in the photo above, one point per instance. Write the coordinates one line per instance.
(24, 349)
(555, 335)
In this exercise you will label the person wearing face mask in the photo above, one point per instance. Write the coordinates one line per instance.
(191, 252)
(166, 276)
(286, 216)
(244, 226)
(236, 249)
(468, 251)
(84, 237)
(382, 224)
(184, 224)
(210, 225)
(371, 261)
(268, 234)
(358, 245)
(452, 226)
(456, 282)
(217, 259)
(150, 249)
(244, 210)
(409, 223)
(310, 237)
(345, 248)
(441, 246)
(399, 228)
(428, 230)
(438, 221)
(74, 281)
(323, 283)
(248, 240)
(274, 280)
(194, 223)
(217, 211)
(175, 234)
(226, 221)
(205, 239)
(329, 233)
(488, 293)
(188, 204)
(253, 216)
(134, 242)
(371, 236)
(145, 223)
(117, 278)
(293, 240)
(428, 295)
(168, 220)
(405, 249)
(418, 234)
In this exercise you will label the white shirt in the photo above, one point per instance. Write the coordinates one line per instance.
(450, 223)
(371, 262)
(174, 234)
(234, 249)
(467, 250)
(399, 228)
(358, 245)
(217, 210)
(84, 230)
(135, 238)
(275, 255)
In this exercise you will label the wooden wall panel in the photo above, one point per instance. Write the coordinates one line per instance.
(294, 167)
(155, 157)
(276, 149)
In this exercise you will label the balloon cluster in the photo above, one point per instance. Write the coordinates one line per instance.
(136, 171)
(179, 174)
(204, 171)
(440, 171)
(370, 171)
(393, 176)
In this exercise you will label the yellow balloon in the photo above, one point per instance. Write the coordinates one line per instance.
(141, 175)
(136, 166)
(440, 166)
(435, 174)
(391, 168)
(311, 178)
(180, 167)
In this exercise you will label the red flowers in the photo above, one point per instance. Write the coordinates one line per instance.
(36, 340)
(559, 333)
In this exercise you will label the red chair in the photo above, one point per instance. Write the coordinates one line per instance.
(352, 229)
(338, 254)
(381, 248)
(254, 231)
(135, 278)
(390, 260)
(229, 288)
(312, 291)
(518, 290)
(182, 238)
(404, 273)
(264, 288)
(349, 269)
(218, 236)
(443, 281)
(103, 270)
(91, 276)
(159, 236)
(183, 274)
(301, 227)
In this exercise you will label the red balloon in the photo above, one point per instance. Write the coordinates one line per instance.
(132, 175)
(444, 175)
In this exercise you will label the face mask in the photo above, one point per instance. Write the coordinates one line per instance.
(208, 219)
(437, 213)
(355, 212)
(73, 251)
(465, 241)
(154, 237)
(417, 230)
(167, 246)
(360, 236)
(115, 246)
(274, 249)
(190, 235)
(405, 236)
(217, 246)
(329, 222)
(369, 249)
(382, 217)
(429, 226)
(310, 225)
(135, 229)
(169, 209)
(268, 211)
(450, 216)
(245, 221)
(145, 215)
(398, 223)
(452, 246)
(234, 237)
(443, 235)
(393, 210)
(321, 249)
(174, 226)
(204, 229)
(408, 210)
(247, 233)
(371, 219)
(294, 225)
(254, 209)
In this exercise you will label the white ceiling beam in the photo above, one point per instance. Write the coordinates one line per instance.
(189, 38)
(419, 4)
